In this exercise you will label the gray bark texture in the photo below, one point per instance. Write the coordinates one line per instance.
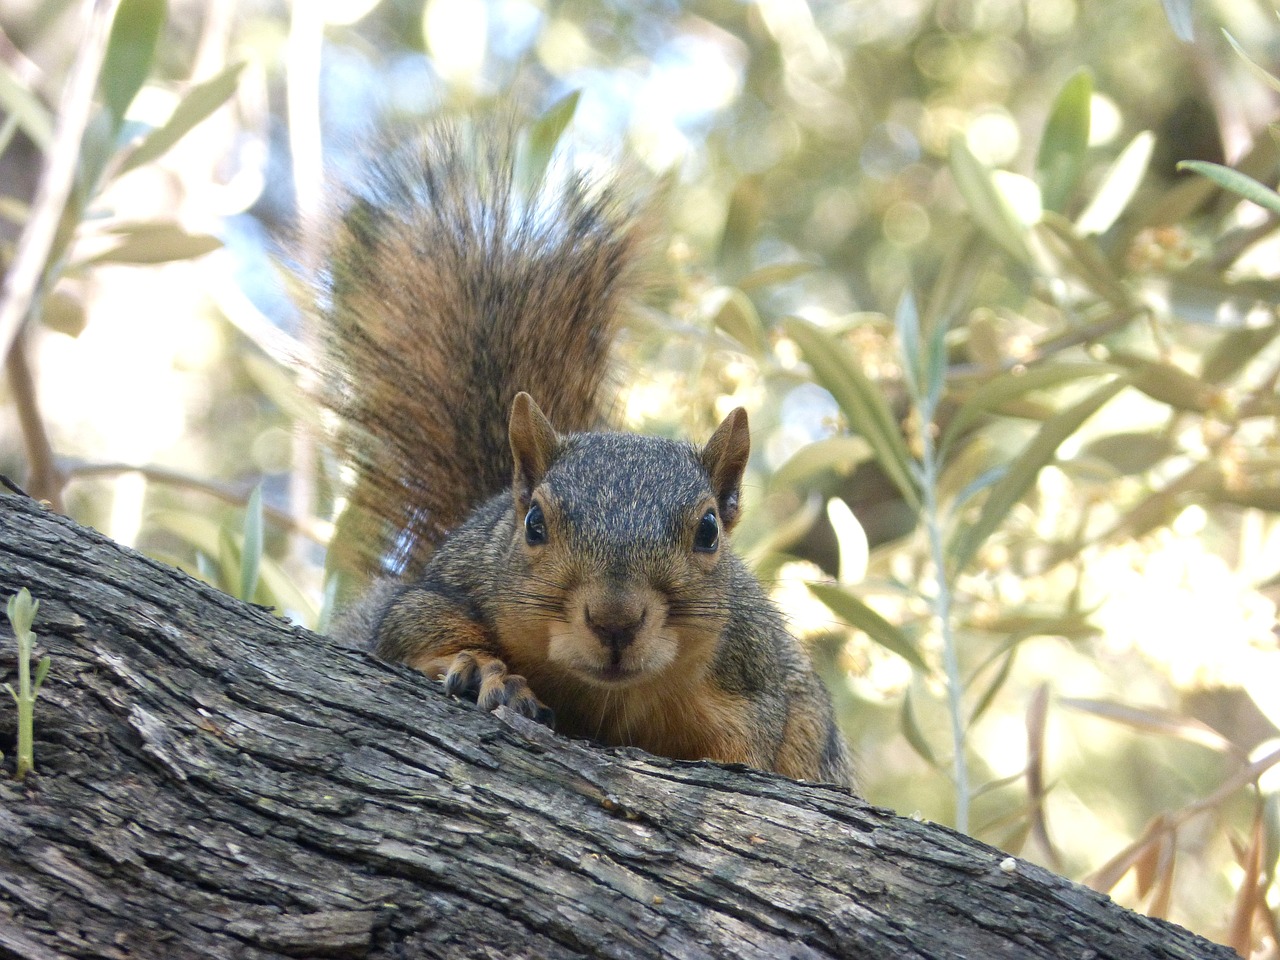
(212, 782)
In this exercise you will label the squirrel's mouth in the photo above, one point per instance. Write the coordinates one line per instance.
(580, 653)
(614, 674)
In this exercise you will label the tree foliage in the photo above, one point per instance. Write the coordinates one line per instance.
(998, 276)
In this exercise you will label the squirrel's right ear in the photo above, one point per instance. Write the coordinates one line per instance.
(533, 445)
(725, 458)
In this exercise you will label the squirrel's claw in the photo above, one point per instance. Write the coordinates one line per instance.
(484, 679)
(462, 678)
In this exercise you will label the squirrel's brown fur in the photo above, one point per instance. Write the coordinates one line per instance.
(558, 570)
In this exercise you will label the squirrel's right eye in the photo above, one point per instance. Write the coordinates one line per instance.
(535, 527)
(706, 538)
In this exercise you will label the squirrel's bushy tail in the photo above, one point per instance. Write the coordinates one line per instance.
(445, 291)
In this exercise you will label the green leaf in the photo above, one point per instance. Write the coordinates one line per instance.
(1169, 384)
(200, 101)
(22, 611)
(1209, 299)
(1168, 206)
(1178, 13)
(935, 371)
(839, 454)
(1065, 141)
(206, 569)
(1236, 182)
(544, 136)
(961, 268)
(1270, 79)
(1119, 184)
(156, 243)
(25, 109)
(1130, 452)
(738, 318)
(7, 131)
(1086, 260)
(857, 614)
(1023, 471)
(774, 273)
(852, 549)
(14, 210)
(1260, 498)
(987, 204)
(279, 590)
(1012, 384)
(1230, 355)
(1271, 830)
(991, 786)
(911, 730)
(42, 671)
(251, 550)
(97, 147)
(861, 401)
(925, 379)
(1073, 624)
(131, 49)
(988, 695)
(1007, 646)
(227, 574)
(988, 478)
(906, 321)
(741, 228)
(64, 313)
(1153, 720)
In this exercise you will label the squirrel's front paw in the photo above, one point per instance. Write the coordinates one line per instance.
(484, 679)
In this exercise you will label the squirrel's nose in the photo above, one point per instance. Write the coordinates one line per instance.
(614, 626)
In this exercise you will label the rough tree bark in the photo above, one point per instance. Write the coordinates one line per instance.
(215, 783)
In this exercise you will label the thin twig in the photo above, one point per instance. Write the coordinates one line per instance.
(312, 529)
(30, 260)
(1241, 778)
(1165, 824)
(930, 471)
(43, 477)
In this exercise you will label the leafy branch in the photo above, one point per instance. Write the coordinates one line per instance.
(90, 146)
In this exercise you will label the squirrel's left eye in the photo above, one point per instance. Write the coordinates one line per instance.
(706, 539)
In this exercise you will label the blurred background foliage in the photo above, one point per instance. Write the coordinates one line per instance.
(1012, 372)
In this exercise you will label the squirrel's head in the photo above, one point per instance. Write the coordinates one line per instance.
(623, 542)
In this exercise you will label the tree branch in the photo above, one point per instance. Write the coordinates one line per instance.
(212, 782)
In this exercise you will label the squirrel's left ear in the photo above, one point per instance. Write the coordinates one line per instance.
(725, 457)
(534, 443)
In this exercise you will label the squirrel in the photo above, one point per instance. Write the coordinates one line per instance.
(538, 560)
